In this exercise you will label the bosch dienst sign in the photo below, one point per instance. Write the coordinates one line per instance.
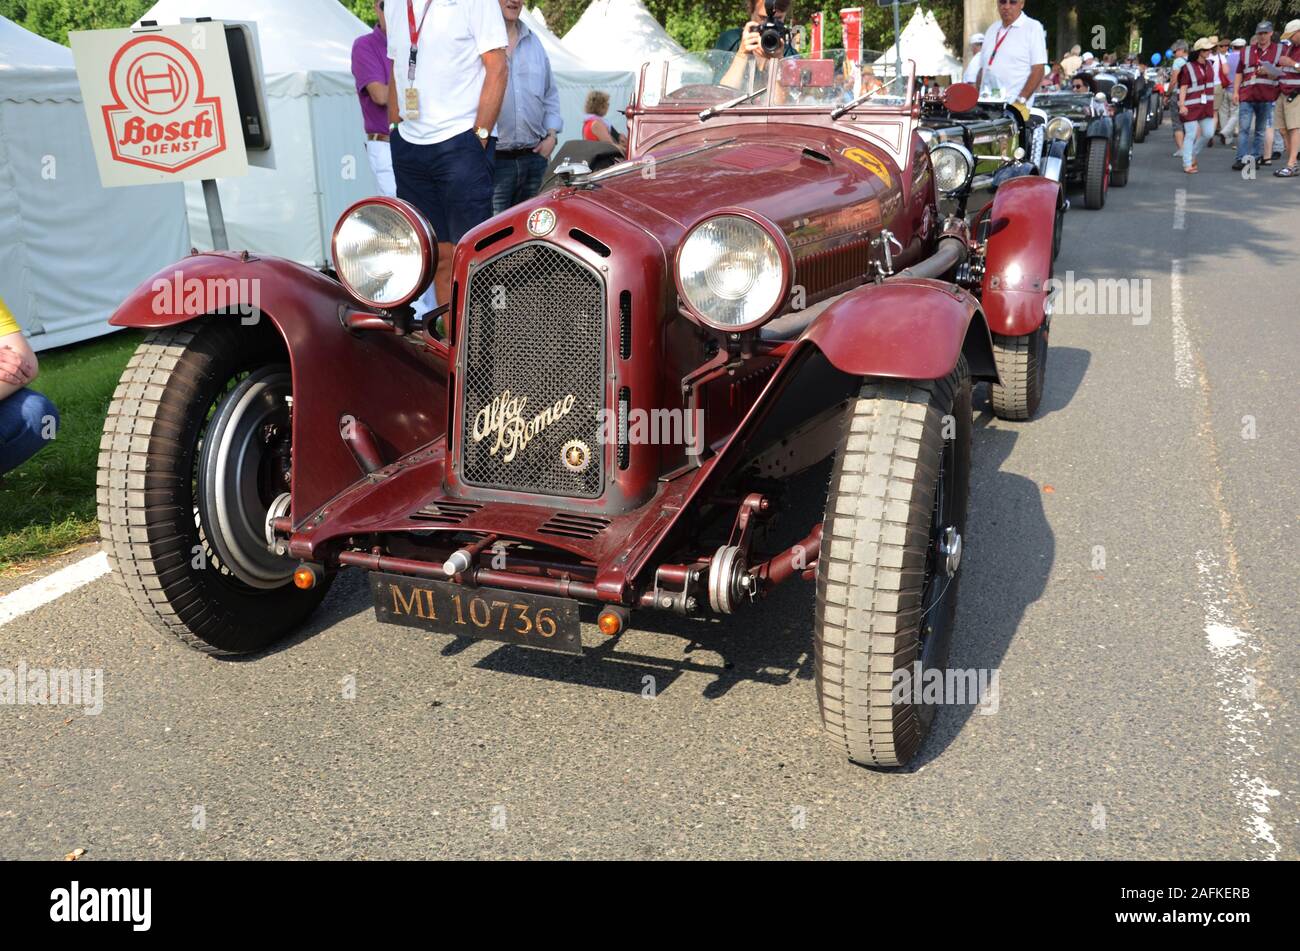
(160, 103)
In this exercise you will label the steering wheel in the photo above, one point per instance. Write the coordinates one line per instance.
(702, 92)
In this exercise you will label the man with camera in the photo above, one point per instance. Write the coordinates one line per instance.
(765, 36)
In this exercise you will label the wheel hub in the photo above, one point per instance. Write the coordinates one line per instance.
(950, 549)
(234, 503)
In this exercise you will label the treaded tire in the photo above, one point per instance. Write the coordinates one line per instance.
(1140, 122)
(1094, 186)
(872, 571)
(146, 496)
(1119, 177)
(1022, 366)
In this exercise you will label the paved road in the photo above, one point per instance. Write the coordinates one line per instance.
(1147, 705)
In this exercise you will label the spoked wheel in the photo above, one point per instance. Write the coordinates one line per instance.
(1097, 181)
(887, 576)
(195, 454)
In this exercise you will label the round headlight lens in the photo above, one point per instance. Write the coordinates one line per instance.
(380, 254)
(731, 272)
(1118, 92)
(1060, 127)
(953, 167)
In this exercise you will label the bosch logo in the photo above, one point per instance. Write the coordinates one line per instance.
(159, 117)
(157, 83)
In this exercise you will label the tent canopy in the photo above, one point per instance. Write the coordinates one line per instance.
(72, 250)
(616, 34)
(923, 42)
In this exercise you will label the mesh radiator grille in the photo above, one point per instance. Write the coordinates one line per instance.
(533, 374)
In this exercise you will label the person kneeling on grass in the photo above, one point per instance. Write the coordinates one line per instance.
(28, 420)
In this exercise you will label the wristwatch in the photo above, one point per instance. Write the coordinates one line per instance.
(482, 133)
(1021, 99)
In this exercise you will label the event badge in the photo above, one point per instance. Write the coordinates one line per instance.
(412, 103)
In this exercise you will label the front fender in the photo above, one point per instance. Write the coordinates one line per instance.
(1100, 126)
(395, 385)
(909, 329)
(1018, 258)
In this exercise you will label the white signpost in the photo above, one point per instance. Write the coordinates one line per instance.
(162, 106)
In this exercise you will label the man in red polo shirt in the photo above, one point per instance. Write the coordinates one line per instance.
(1256, 92)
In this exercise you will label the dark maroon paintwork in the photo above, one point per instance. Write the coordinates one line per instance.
(830, 187)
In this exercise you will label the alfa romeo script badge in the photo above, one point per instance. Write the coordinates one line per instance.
(541, 222)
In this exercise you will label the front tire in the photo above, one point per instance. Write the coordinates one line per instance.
(194, 451)
(1098, 174)
(888, 572)
(1022, 366)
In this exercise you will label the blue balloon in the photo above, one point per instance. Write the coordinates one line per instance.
(1155, 59)
(1169, 54)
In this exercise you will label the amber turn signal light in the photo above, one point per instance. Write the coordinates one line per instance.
(609, 622)
(304, 577)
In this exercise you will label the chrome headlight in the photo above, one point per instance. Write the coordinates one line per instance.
(953, 167)
(734, 271)
(1060, 127)
(384, 252)
(1118, 92)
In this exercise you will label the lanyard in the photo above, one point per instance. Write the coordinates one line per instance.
(1003, 33)
(415, 33)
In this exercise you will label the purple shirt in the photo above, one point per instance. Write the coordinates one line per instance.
(370, 64)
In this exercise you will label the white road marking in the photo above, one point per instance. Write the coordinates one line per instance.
(1184, 364)
(52, 587)
(1233, 653)
(1180, 209)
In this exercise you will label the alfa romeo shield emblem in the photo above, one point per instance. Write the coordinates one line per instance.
(541, 222)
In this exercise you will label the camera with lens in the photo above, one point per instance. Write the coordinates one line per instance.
(773, 34)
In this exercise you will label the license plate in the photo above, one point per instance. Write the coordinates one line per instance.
(535, 620)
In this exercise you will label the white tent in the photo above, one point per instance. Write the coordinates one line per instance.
(621, 34)
(923, 42)
(316, 128)
(71, 250)
(575, 78)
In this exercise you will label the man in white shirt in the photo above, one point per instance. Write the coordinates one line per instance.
(448, 79)
(972, 73)
(1014, 59)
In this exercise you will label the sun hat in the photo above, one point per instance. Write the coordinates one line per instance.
(977, 38)
(1238, 42)
(1202, 44)
(1291, 27)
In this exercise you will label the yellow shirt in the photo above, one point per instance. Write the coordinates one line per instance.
(7, 323)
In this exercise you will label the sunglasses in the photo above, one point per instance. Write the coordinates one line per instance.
(1009, 3)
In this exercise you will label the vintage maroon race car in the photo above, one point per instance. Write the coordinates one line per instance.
(769, 270)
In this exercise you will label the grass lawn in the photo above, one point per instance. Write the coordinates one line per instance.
(47, 505)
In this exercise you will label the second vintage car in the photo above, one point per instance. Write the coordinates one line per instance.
(768, 275)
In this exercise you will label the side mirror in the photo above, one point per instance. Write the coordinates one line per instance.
(961, 97)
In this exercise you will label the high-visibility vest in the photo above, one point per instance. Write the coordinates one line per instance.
(1252, 78)
(1289, 82)
(1200, 89)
